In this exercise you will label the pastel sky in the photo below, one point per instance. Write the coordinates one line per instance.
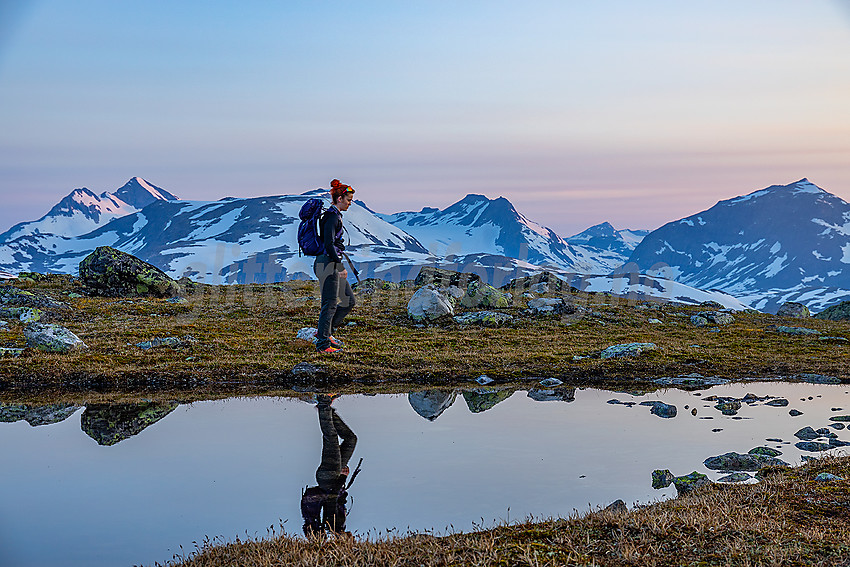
(578, 112)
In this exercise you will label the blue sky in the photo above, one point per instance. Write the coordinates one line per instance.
(578, 112)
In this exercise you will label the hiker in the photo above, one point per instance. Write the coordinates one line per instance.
(337, 297)
(323, 507)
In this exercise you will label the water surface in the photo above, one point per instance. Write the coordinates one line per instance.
(236, 467)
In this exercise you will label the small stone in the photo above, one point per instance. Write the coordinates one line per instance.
(738, 462)
(617, 507)
(484, 380)
(840, 418)
(795, 413)
(550, 382)
(838, 426)
(735, 477)
(827, 477)
(812, 446)
(778, 402)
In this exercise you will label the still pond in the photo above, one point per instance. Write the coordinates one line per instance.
(141, 484)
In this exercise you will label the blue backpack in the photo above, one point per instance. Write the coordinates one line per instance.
(309, 240)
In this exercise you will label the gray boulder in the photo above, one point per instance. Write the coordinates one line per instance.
(742, 462)
(50, 337)
(429, 304)
(546, 305)
(627, 349)
(793, 309)
(430, 404)
(113, 273)
(717, 317)
(699, 321)
(36, 415)
(552, 395)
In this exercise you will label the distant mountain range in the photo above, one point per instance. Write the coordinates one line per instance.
(783, 243)
(777, 244)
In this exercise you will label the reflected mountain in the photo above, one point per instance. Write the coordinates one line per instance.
(553, 395)
(482, 399)
(110, 423)
(36, 415)
(431, 403)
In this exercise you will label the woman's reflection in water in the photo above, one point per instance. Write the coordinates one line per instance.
(323, 507)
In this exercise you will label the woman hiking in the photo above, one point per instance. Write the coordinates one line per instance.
(337, 297)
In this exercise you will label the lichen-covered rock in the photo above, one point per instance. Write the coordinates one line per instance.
(691, 482)
(112, 273)
(733, 461)
(443, 278)
(25, 298)
(840, 418)
(486, 318)
(766, 451)
(429, 304)
(627, 349)
(52, 338)
(485, 296)
(839, 312)
(553, 284)
(791, 330)
(661, 478)
(793, 309)
(430, 404)
(371, 284)
(778, 402)
(546, 305)
(716, 317)
(728, 407)
(482, 399)
(699, 321)
(109, 424)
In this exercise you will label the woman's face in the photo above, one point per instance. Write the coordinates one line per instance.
(345, 201)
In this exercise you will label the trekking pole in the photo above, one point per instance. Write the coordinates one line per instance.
(353, 269)
(354, 474)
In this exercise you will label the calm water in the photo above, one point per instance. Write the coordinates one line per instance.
(236, 467)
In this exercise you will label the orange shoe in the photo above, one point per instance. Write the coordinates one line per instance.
(329, 350)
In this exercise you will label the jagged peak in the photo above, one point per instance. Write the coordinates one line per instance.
(140, 193)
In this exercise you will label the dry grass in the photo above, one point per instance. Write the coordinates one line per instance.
(244, 337)
(787, 519)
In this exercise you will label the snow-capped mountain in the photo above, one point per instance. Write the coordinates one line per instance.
(610, 248)
(226, 241)
(83, 210)
(783, 243)
(478, 225)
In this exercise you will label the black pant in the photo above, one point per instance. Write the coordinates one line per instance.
(337, 299)
(335, 455)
